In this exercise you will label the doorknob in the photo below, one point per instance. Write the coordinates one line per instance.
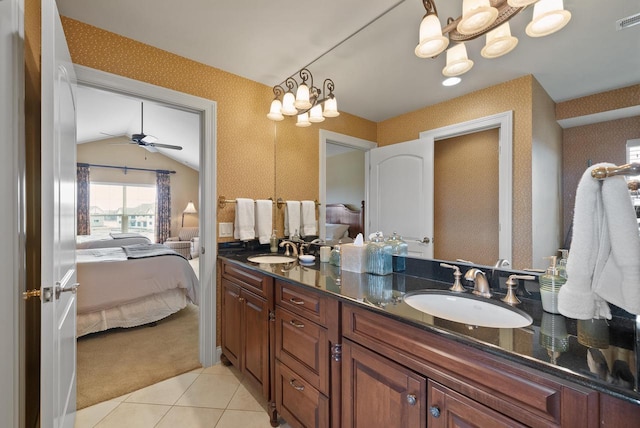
(26, 295)
(73, 289)
(425, 240)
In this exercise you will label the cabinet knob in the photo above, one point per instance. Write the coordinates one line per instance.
(411, 399)
(241, 299)
(435, 411)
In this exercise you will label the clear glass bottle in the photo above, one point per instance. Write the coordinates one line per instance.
(334, 257)
(273, 242)
(400, 250)
(379, 256)
(550, 283)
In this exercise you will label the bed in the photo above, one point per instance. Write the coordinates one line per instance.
(131, 285)
(113, 240)
(343, 222)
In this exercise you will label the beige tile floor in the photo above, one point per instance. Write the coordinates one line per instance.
(215, 397)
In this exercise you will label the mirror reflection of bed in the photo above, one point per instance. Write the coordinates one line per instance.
(343, 223)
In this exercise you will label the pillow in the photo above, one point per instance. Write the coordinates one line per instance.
(336, 231)
(186, 233)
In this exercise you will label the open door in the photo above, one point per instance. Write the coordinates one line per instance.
(401, 193)
(58, 211)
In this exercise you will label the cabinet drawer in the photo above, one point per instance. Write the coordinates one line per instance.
(298, 402)
(304, 346)
(302, 302)
(523, 394)
(253, 281)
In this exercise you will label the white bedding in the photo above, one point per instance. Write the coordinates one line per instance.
(110, 283)
(109, 241)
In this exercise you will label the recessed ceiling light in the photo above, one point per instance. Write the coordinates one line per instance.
(451, 81)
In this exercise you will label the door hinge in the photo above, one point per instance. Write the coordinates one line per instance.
(336, 352)
(272, 316)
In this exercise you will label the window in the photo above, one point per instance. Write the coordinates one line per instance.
(123, 208)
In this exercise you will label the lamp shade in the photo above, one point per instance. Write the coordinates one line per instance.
(315, 114)
(499, 42)
(287, 104)
(431, 41)
(302, 98)
(303, 120)
(275, 112)
(331, 107)
(549, 16)
(457, 61)
(190, 209)
(477, 15)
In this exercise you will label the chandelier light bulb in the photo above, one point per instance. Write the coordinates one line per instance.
(431, 41)
(331, 108)
(477, 15)
(288, 109)
(315, 114)
(549, 16)
(275, 112)
(303, 120)
(302, 98)
(499, 42)
(457, 61)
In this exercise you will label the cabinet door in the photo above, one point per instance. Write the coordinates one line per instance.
(448, 409)
(255, 332)
(378, 392)
(231, 334)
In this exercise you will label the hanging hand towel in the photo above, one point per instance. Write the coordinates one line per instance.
(292, 218)
(264, 220)
(244, 224)
(604, 261)
(308, 218)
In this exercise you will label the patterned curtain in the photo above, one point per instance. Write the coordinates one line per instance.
(163, 203)
(84, 218)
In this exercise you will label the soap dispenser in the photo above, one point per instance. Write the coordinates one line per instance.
(379, 257)
(273, 242)
(550, 283)
(562, 263)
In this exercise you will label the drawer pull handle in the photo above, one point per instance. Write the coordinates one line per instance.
(296, 301)
(296, 324)
(292, 382)
(435, 411)
(411, 399)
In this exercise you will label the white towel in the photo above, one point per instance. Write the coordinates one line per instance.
(292, 218)
(244, 224)
(264, 220)
(308, 218)
(604, 261)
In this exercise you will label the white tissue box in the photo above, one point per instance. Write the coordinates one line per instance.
(353, 257)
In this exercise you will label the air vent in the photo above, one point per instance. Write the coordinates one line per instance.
(627, 22)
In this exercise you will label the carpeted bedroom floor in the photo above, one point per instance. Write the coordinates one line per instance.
(115, 362)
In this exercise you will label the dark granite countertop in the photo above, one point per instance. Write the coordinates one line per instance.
(599, 354)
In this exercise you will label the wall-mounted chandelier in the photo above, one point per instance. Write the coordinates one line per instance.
(307, 103)
(479, 17)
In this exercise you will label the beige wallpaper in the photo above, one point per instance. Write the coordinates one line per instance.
(184, 183)
(597, 103)
(515, 95)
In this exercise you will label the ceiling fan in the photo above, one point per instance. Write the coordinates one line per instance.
(149, 141)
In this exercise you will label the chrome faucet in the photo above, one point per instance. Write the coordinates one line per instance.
(480, 283)
(501, 263)
(289, 245)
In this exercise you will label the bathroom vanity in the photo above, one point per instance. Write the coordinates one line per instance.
(342, 349)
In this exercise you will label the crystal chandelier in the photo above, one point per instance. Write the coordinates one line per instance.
(307, 103)
(479, 17)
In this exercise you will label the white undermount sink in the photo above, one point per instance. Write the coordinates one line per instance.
(467, 309)
(271, 259)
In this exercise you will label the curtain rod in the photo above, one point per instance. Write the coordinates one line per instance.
(125, 168)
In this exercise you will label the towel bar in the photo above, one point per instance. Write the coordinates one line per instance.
(603, 172)
(222, 201)
(281, 202)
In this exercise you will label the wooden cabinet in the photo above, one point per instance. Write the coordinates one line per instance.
(378, 392)
(306, 332)
(247, 301)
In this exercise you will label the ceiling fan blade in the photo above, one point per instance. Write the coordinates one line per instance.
(148, 139)
(163, 146)
(149, 148)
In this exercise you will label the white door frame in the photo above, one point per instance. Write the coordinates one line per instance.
(209, 355)
(504, 123)
(325, 137)
(12, 226)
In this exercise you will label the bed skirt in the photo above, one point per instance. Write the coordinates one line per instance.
(139, 312)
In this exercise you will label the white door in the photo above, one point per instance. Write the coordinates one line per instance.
(401, 193)
(58, 282)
